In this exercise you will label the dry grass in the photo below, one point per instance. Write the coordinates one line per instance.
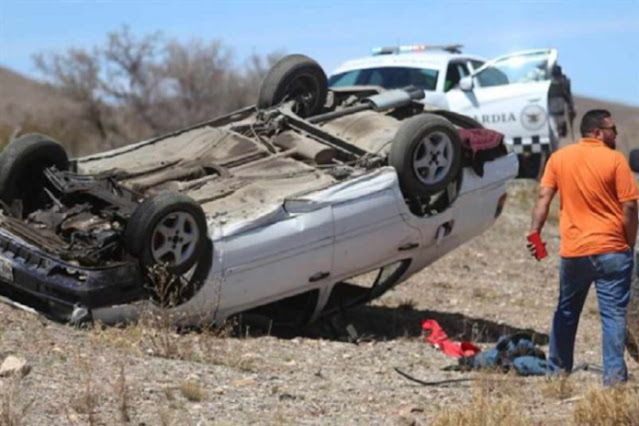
(167, 417)
(495, 402)
(192, 391)
(14, 404)
(89, 398)
(158, 333)
(153, 335)
(558, 388)
(608, 407)
(121, 392)
(156, 336)
(162, 338)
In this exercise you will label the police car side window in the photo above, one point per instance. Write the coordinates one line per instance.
(387, 77)
(492, 76)
(452, 77)
(476, 64)
(523, 68)
(456, 70)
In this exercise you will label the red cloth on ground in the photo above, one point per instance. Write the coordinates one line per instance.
(441, 341)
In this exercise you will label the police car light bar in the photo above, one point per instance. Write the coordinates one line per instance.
(390, 50)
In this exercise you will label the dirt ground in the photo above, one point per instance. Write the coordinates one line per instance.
(147, 375)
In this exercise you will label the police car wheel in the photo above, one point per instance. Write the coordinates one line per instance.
(298, 78)
(22, 166)
(426, 153)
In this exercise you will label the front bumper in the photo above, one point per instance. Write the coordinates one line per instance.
(56, 288)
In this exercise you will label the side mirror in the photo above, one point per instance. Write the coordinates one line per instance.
(466, 83)
(634, 160)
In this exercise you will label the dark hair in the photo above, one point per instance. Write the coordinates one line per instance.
(593, 119)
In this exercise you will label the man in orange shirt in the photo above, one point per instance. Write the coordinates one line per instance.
(598, 227)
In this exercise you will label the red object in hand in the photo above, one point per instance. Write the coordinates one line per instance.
(540, 246)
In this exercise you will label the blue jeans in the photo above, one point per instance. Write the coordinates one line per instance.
(612, 274)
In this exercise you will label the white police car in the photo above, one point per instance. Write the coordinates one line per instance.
(523, 95)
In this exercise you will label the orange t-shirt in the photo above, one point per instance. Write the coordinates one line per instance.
(593, 180)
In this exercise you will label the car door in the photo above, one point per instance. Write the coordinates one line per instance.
(370, 230)
(509, 94)
(277, 260)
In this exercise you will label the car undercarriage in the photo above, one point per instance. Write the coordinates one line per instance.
(82, 234)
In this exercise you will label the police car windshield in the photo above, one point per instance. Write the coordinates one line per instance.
(387, 77)
(515, 69)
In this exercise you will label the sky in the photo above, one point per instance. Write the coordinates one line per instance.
(598, 41)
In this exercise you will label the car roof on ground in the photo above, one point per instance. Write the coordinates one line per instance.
(435, 60)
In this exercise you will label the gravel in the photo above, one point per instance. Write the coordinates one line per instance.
(143, 375)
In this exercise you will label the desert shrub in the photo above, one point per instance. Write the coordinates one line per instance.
(192, 391)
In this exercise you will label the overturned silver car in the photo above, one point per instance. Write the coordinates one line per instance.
(274, 208)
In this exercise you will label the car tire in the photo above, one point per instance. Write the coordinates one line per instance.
(632, 340)
(295, 77)
(22, 165)
(167, 229)
(418, 139)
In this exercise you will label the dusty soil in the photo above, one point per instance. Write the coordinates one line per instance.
(488, 287)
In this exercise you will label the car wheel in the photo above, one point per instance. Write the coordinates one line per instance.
(295, 77)
(22, 166)
(632, 341)
(167, 229)
(426, 153)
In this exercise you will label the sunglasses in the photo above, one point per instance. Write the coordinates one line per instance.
(613, 128)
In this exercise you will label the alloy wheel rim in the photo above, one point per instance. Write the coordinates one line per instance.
(432, 159)
(174, 239)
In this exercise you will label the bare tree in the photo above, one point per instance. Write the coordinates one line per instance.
(196, 77)
(76, 73)
(134, 87)
(256, 68)
(132, 73)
